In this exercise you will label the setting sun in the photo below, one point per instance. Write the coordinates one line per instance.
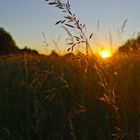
(105, 54)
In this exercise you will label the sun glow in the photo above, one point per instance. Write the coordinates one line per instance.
(105, 54)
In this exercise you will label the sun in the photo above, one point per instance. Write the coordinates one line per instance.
(105, 54)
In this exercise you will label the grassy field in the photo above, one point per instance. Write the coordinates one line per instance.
(63, 98)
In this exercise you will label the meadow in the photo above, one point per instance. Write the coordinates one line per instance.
(79, 96)
(53, 97)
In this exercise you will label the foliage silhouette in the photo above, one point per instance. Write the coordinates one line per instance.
(132, 45)
(28, 50)
(7, 43)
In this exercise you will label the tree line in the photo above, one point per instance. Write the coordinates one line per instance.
(8, 45)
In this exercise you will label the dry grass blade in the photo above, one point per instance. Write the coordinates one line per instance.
(69, 25)
(123, 25)
(52, 3)
(58, 22)
(75, 111)
(49, 97)
(69, 34)
(68, 49)
(90, 35)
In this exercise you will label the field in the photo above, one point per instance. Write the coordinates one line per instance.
(64, 98)
(90, 93)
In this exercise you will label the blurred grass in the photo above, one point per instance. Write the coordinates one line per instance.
(53, 98)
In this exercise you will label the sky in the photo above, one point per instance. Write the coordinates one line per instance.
(25, 20)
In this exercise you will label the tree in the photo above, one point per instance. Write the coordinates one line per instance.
(7, 43)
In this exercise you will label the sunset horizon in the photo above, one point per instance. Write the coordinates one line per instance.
(26, 26)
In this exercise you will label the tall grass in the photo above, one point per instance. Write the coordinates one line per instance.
(108, 96)
(70, 97)
(70, 20)
(58, 103)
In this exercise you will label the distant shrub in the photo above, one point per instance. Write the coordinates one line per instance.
(28, 50)
(54, 54)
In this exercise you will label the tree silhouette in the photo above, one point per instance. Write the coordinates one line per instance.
(28, 50)
(7, 43)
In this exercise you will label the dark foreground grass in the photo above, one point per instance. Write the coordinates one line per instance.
(53, 98)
